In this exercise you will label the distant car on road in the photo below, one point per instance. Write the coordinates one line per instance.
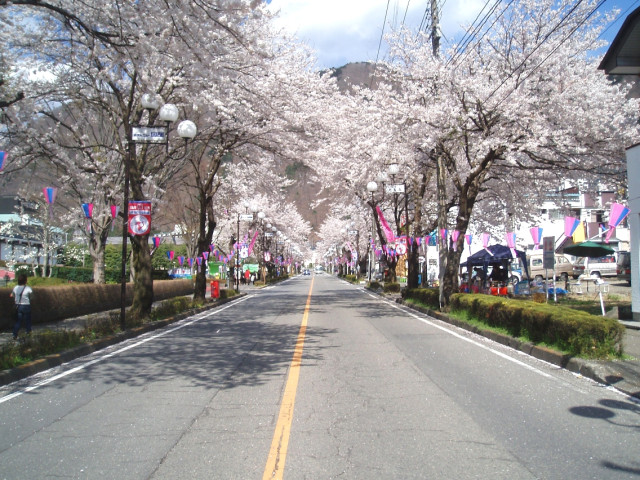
(306, 272)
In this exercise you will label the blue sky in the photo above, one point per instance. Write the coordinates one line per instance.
(343, 31)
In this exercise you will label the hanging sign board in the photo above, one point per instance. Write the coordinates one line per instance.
(394, 188)
(246, 217)
(149, 134)
(139, 216)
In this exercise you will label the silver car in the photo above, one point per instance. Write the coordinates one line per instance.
(597, 267)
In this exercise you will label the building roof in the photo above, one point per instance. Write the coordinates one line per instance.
(623, 56)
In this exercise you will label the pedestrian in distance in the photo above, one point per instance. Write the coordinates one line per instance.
(22, 294)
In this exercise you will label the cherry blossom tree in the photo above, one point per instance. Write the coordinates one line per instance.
(525, 100)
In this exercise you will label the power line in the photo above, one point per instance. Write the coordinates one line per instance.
(406, 10)
(472, 32)
(375, 65)
(544, 40)
(534, 69)
(618, 17)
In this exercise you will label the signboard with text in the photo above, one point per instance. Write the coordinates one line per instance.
(139, 216)
(548, 253)
(149, 134)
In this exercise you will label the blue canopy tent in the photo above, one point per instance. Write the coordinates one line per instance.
(495, 255)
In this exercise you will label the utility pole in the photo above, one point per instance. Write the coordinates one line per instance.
(435, 28)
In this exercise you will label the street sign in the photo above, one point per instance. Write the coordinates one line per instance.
(149, 134)
(248, 217)
(139, 216)
(268, 234)
(548, 254)
(353, 232)
(394, 188)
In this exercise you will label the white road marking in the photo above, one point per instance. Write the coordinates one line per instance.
(182, 324)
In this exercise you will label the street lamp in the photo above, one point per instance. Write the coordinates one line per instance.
(150, 134)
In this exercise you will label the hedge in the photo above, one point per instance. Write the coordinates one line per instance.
(53, 303)
(427, 296)
(577, 332)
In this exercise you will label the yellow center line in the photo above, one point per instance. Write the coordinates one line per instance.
(278, 451)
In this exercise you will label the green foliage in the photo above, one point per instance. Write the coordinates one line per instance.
(37, 345)
(429, 297)
(391, 288)
(374, 285)
(579, 333)
(350, 278)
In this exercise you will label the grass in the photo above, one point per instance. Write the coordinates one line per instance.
(466, 317)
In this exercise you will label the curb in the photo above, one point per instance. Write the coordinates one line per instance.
(56, 359)
(596, 371)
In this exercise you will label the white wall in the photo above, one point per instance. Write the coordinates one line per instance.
(633, 175)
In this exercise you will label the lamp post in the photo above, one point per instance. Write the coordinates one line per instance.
(168, 113)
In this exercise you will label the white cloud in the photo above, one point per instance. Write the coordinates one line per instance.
(343, 31)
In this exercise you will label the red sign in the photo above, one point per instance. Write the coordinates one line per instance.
(139, 218)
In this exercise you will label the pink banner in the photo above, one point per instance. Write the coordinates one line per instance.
(485, 240)
(253, 242)
(385, 226)
(570, 225)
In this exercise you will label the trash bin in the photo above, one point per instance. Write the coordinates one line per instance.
(215, 289)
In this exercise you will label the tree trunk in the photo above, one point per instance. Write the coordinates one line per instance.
(143, 285)
(412, 264)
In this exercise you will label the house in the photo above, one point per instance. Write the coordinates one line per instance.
(21, 234)
(623, 58)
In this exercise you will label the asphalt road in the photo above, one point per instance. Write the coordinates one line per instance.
(314, 379)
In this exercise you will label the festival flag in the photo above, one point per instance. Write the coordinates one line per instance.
(180, 260)
(87, 208)
(199, 260)
(454, 236)
(156, 242)
(50, 197)
(536, 235)
(205, 255)
(3, 158)
(170, 254)
(510, 237)
(468, 238)
(617, 214)
(485, 239)
(385, 226)
(580, 234)
(190, 261)
(114, 213)
(570, 225)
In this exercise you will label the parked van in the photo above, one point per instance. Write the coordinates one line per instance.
(563, 267)
(598, 267)
(623, 268)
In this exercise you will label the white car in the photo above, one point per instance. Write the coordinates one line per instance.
(598, 267)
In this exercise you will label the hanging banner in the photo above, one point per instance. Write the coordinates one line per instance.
(139, 215)
(385, 226)
(3, 158)
(536, 234)
(570, 225)
(617, 214)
